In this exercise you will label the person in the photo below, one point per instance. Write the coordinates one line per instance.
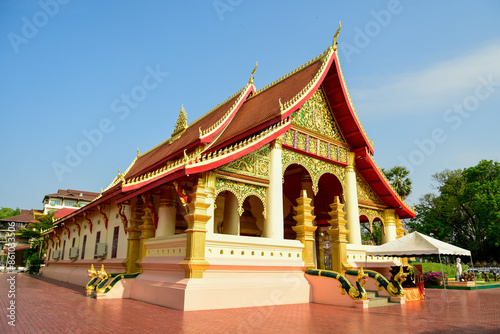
(458, 266)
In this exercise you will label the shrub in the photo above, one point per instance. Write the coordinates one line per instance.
(434, 277)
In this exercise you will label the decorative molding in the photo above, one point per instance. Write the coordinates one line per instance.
(242, 191)
(315, 167)
(123, 216)
(365, 192)
(254, 164)
(315, 116)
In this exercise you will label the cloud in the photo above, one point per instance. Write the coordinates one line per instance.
(434, 88)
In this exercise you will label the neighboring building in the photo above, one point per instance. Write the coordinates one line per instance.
(230, 210)
(69, 198)
(13, 224)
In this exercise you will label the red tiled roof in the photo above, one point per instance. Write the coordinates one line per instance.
(74, 194)
(26, 216)
(264, 106)
(61, 213)
(158, 156)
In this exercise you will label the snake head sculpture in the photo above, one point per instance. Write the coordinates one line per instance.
(92, 272)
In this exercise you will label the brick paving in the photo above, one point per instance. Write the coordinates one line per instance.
(47, 306)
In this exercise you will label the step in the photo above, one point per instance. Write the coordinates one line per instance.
(376, 301)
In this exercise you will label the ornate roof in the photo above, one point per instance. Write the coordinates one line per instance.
(245, 122)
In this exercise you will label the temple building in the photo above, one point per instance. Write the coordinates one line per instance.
(232, 209)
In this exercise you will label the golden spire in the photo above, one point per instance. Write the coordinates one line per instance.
(181, 123)
(253, 72)
(336, 36)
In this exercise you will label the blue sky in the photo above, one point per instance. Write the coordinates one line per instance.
(424, 77)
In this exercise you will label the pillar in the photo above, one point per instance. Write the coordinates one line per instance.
(134, 250)
(321, 249)
(390, 226)
(167, 212)
(194, 263)
(231, 222)
(351, 198)
(305, 229)
(273, 227)
(338, 234)
(210, 191)
(148, 227)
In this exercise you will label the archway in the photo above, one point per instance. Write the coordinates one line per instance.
(296, 178)
(252, 219)
(226, 217)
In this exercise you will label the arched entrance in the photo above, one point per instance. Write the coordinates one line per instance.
(227, 219)
(297, 178)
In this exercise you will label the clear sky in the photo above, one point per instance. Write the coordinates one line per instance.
(84, 83)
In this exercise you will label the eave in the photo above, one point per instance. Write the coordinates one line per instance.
(367, 167)
(343, 110)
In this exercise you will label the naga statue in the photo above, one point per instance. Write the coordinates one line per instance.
(357, 293)
(393, 287)
(102, 281)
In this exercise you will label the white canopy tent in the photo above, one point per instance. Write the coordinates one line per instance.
(418, 244)
(415, 244)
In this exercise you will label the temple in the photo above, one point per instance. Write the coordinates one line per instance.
(235, 208)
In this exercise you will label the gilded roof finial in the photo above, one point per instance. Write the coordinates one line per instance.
(181, 123)
(138, 153)
(336, 36)
(118, 171)
(281, 105)
(253, 72)
(101, 189)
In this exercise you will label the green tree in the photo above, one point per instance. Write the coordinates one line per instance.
(8, 212)
(34, 256)
(398, 177)
(466, 212)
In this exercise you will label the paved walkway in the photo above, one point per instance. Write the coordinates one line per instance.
(47, 306)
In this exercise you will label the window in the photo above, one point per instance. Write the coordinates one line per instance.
(69, 203)
(83, 246)
(73, 243)
(55, 202)
(97, 240)
(115, 242)
(64, 247)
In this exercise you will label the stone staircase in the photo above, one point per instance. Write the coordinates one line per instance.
(376, 300)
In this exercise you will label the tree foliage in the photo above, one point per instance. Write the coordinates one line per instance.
(33, 256)
(398, 177)
(466, 212)
(8, 212)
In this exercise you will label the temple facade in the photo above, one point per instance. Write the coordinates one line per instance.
(232, 209)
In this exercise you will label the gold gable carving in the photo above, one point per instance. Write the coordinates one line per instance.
(316, 116)
(365, 192)
(254, 164)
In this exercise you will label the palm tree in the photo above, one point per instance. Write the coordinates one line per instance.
(398, 177)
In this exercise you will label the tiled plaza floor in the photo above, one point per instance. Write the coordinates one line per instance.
(44, 307)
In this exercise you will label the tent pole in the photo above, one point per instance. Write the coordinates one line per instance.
(475, 284)
(444, 280)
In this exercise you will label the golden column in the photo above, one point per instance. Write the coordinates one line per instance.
(305, 228)
(147, 228)
(134, 255)
(338, 234)
(194, 263)
(400, 230)
(321, 245)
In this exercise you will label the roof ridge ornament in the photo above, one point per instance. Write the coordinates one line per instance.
(253, 73)
(181, 123)
(336, 36)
